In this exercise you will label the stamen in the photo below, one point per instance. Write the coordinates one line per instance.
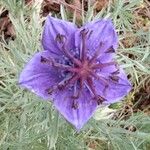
(100, 66)
(44, 60)
(110, 50)
(114, 78)
(65, 67)
(75, 104)
(49, 91)
(60, 38)
(78, 93)
(115, 72)
(69, 55)
(84, 49)
(102, 79)
(53, 63)
(81, 83)
(100, 100)
(91, 86)
(97, 97)
(75, 92)
(97, 53)
(63, 84)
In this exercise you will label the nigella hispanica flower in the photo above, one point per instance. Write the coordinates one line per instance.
(76, 70)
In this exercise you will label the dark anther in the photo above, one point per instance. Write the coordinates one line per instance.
(61, 87)
(116, 72)
(75, 104)
(84, 32)
(75, 96)
(114, 78)
(43, 59)
(60, 38)
(101, 44)
(49, 91)
(100, 100)
(110, 50)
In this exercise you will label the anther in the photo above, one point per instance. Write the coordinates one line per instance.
(49, 91)
(44, 60)
(110, 50)
(60, 38)
(75, 104)
(100, 99)
(115, 72)
(114, 78)
(84, 32)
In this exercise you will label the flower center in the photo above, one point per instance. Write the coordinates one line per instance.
(82, 71)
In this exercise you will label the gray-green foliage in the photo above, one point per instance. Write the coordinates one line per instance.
(29, 123)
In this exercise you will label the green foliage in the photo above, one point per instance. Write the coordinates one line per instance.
(29, 123)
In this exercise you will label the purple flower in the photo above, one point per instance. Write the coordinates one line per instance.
(76, 70)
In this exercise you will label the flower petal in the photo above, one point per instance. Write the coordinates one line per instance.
(110, 68)
(85, 106)
(52, 28)
(112, 90)
(101, 31)
(38, 76)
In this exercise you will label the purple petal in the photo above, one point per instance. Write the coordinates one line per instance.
(79, 116)
(115, 90)
(39, 77)
(101, 31)
(52, 28)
